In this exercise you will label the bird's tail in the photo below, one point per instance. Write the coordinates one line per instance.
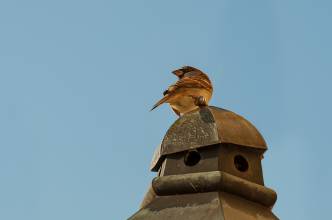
(161, 101)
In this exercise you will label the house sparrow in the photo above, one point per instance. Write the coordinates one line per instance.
(193, 89)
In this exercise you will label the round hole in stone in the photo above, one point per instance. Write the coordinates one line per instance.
(192, 158)
(241, 163)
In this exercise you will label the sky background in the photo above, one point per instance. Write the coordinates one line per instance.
(77, 80)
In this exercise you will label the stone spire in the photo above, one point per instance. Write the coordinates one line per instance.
(209, 167)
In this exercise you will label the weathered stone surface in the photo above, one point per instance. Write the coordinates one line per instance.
(204, 127)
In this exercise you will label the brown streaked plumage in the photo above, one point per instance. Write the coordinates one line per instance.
(185, 95)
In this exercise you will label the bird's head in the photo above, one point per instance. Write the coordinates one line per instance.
(182, 71)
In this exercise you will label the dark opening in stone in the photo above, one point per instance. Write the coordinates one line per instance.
(241, 163)
(192, 158)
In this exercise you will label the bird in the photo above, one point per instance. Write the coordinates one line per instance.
(193, 89)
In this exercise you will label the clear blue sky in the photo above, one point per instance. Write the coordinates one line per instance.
(77, 80)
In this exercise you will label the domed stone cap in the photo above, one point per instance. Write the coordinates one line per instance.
(207, 126)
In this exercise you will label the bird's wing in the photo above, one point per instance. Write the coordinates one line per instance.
(188, 82)
(192, 82)
(185, 82)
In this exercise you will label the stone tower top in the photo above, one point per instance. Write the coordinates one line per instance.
(209, 167)
(204, 127)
